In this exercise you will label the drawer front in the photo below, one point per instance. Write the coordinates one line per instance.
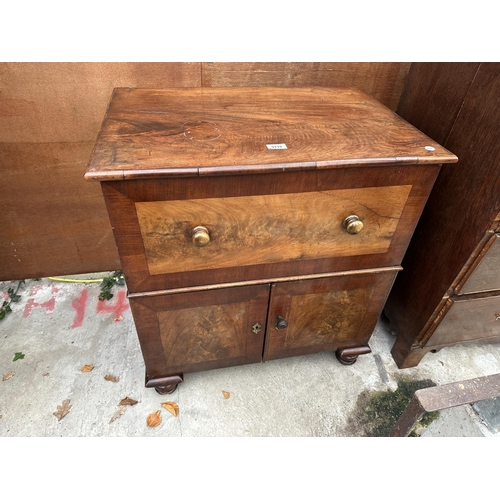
(468, 320)
(486, 276)
(253, 230)
(197, 331)
(325, 314)
(263, 227)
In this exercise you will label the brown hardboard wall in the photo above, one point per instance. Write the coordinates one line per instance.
(53, 222)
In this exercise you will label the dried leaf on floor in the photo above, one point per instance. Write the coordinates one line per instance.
(118, 413)
(62, 409)
(87, 368)
(18, 355)
(112, 378)
(154, 419)
(8, 375)
(120, 318)
(127, 401)
(226, 394)
(172, 407)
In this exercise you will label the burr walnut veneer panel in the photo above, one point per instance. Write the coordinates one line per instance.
(252, 230)
(325, 314)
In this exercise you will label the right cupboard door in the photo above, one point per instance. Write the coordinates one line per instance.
(325, 313)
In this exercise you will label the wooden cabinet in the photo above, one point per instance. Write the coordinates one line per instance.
(449, 290)
(258, 223)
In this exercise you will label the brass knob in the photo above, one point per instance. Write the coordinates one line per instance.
(200, 236)
(352, 224)
(281, 323)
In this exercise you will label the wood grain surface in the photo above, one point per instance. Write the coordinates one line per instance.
(325, 314)
(464, 201)
(197, 331)
(47, 107)
(433, 95)
(53, 222)
(265, 229)
(227, 130)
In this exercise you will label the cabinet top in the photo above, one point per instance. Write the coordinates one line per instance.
(238, 130)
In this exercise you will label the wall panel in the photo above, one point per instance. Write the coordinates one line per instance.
(384, 81)
(54, 223)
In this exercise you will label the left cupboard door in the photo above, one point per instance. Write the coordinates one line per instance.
(196, 331)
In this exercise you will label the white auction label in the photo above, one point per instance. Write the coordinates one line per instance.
(276, 146)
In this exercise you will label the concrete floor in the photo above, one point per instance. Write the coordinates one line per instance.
(60, 327)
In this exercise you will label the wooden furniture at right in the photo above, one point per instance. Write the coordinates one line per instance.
(444, 397)
(449, 290)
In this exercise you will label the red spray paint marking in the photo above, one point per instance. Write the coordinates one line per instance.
(118, 308)
(6, 296)
(31, 304)
(79, 304)
(34, 290)
(48, 305)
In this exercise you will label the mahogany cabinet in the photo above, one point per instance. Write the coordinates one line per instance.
(258, 223)
(449, 290)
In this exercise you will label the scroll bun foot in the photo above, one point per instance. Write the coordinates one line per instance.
(165, 385)
(350, 355)
(166, 389)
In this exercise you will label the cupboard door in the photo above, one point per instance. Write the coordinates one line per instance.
(195, 331)
(324, 314)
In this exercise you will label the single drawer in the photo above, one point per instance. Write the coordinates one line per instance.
(268, 229)
(262, 227)
(486, 276)
(468, 319)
